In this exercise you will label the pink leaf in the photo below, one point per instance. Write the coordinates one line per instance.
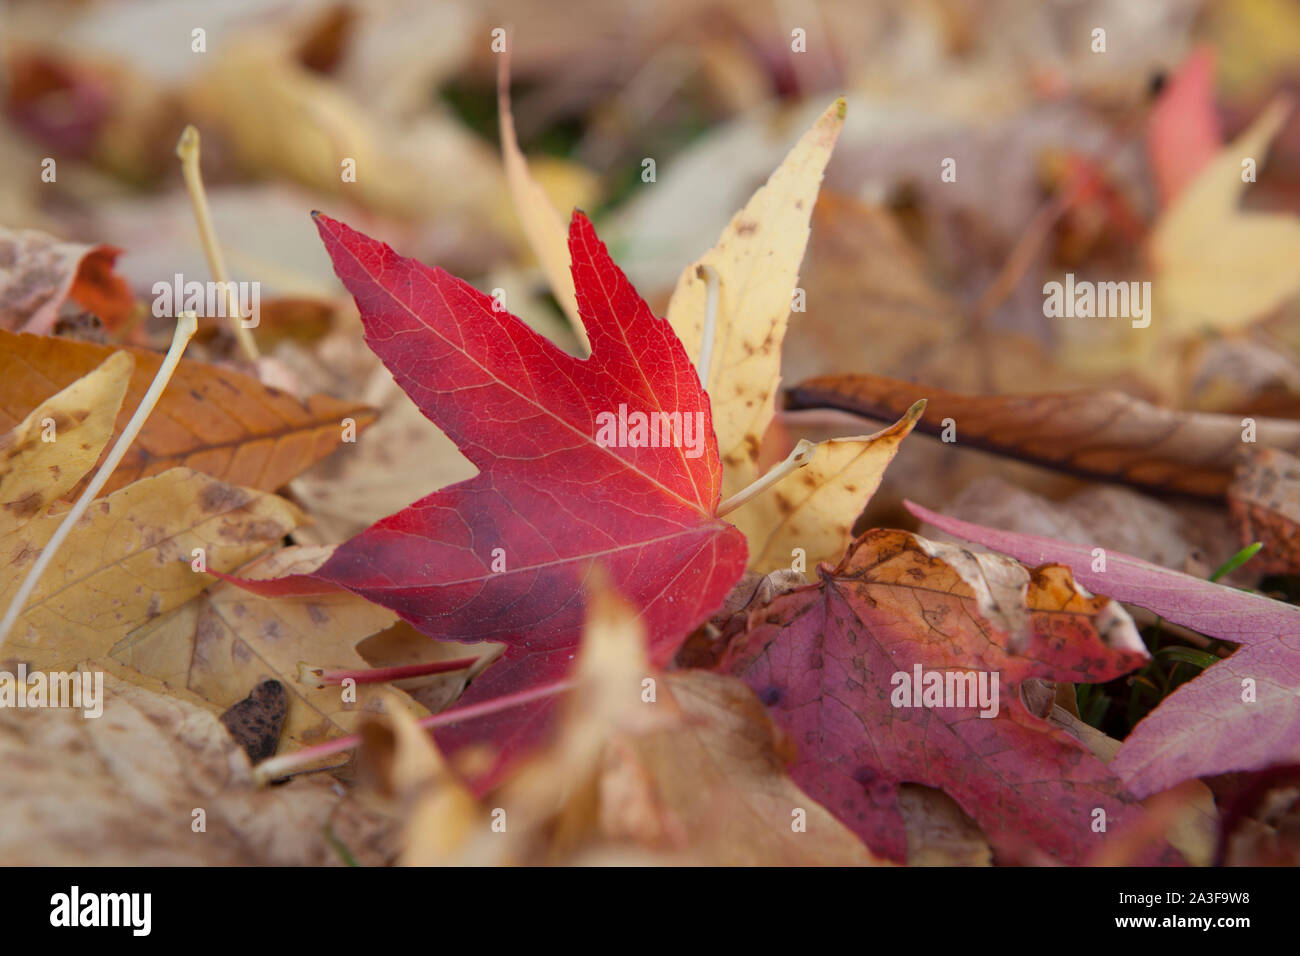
(1205, 727)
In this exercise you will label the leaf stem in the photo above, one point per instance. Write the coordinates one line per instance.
(710, 276)
(286, 764)
(802, 454)
(186, 324)
(320, 677)
(187, 149)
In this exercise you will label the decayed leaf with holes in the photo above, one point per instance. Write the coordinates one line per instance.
(39, 272)
(757, 265)
(824, 659)
(35, 472)
(1216, 265)
(1264, 500)
(129, 560)
(211, 419)
(1105, 435)
(121, 790)
(225, 641)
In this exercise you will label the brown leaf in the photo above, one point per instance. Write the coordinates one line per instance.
(1103, 435)
(123, 789)
(211, 419)
(718, 777)
(1188, 536)
(939, 833)
(861, 264)
(38, 272)
(1264, 500)
(256, 721)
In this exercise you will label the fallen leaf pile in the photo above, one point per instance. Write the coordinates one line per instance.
(507, 533)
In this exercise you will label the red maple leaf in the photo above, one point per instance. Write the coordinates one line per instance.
(825, 660)
(550, 499)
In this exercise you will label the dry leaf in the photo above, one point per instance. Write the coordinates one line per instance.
(38, 272)
(1104, 435)
(757, 264)
(399, 759)
(50, 450)
(281, 117)
(1264, 499)
(1192, 537)
(871, 306)
(719, 774)
(211, 419)
(129, 560)
(127, 788)
(224, 642)
(815, 508)
(939, 833)
(541, 222)
(1217, 266)
(689, 764)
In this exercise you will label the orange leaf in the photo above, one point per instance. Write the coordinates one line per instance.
(211, 419)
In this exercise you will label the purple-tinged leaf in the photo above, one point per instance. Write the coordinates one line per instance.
(1241, 714)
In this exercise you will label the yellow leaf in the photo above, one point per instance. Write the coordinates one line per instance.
(223, 643)
(129, 560)
(281, 117)
(1217, 266)
(814, 508)
(756, 262)
(541, 223)
(1255, 40)
(38, 467)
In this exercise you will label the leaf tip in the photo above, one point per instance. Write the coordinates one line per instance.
(916, 510)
